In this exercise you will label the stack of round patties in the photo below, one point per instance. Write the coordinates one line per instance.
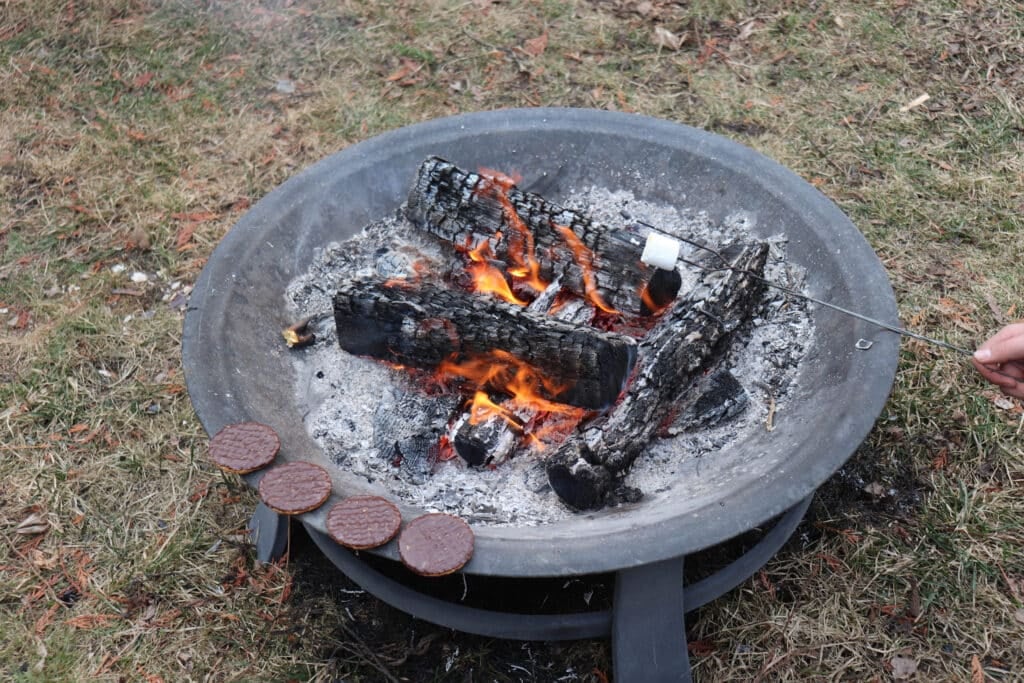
(434, 544)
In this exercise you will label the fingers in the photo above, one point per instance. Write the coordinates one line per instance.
(1005, 345)
(1006, 376)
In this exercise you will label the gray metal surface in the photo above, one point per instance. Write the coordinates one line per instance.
(237, 368)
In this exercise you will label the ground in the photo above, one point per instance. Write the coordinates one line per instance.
(134, 133)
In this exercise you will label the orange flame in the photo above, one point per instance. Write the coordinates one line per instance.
(528, 387)
(483, 408)
(521, 248)
(655, 309)
(487, 278)
(585, 258)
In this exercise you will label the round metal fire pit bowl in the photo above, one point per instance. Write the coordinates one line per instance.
(238, 369)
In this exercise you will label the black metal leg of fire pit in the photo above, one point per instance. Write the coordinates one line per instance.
(270, 533)
(648, 630)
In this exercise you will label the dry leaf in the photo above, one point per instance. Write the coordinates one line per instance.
(662, 37)
(644, 9)
(1003, 402)
(184, 236)
(535, 46)
(33, 524)
(142, 80)
(875, 489)
(903, 668)
(977, 672)
(747, 30)
(1019, 615)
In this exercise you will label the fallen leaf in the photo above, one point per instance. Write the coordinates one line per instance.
(977, 671)
(35, 523)
(1003, 402)
(195, 216)
(91, 621)
(644, 9)
(535, 46)
(184, 236)
(875, 489)
(142, 80)
(407, 68)
(662, 37)
(903, 668)
(1019, 615)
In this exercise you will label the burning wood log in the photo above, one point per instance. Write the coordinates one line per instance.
(684, 342)
(536, 239)
(422, 325)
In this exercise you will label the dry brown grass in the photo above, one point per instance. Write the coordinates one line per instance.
(134, 133)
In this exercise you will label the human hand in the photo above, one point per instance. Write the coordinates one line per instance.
(1000, 360)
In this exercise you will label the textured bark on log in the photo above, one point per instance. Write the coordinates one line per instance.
(421, 325)
(407, 427)
(466, 208)
(686, 340)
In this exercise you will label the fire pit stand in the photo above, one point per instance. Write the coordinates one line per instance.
(645, 623)
(238, 369)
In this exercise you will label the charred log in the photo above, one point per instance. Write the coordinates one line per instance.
(489, 442)
(688, 338)
(525, 230)
(422, 325)
(407, 428)
(718, 396)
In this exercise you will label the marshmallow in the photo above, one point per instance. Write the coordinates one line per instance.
(661, 251)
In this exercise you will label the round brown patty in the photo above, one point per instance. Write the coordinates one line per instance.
(362, 522)
(295, 487)
(244, 447)
(436, 544)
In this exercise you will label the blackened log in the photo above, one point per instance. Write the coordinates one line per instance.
(688, 338)
(488, 442)
(718, 396)
(419, 324)
(407, 429)
(467, 208)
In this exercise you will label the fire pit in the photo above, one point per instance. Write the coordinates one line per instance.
(238, 369)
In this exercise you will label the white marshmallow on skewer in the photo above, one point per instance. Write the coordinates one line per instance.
(661, 251)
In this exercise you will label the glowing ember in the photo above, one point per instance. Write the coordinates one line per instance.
(585, 258)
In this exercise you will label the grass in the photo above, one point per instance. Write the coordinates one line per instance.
(133, 133)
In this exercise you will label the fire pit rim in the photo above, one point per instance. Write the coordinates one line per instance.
(578, 545)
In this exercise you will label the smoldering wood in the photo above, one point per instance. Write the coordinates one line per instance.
(718, 397)
(420, 324)
(465, 208)
(488, 442)
(407, 429)
(688, 338)
(493, 440)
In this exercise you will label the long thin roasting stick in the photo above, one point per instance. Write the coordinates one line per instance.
(792, 292)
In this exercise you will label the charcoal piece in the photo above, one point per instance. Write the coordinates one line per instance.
(407, 429)
(421, 324)
(718, 396)
(467, 208)
(687, 339)
(489, 442)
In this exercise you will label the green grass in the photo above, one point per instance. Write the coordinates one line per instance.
(124, 124)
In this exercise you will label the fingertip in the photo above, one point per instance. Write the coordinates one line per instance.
(983, 355)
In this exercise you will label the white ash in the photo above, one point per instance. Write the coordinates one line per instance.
(341, 393)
